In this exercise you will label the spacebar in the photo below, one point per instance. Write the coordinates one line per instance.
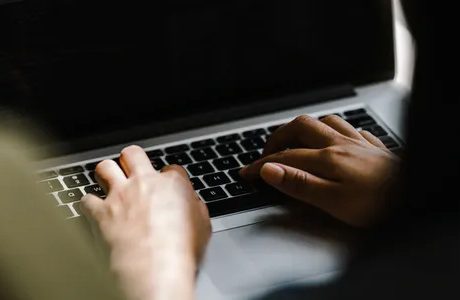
(238, 204)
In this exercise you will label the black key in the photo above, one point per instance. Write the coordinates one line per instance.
(203, 143)
(91, 166)
(254, 133)
(274, 127)
(238, 188)
(50, 186)
(76, 180)
(253, 144)
(203, 154)
(47, 175)
(71, 170)
(267, 137)
(157, 163)
(155, 153)
(178, 159)
(228, 149)
(200, 168)
(216, 179)
(361, 121)
(355, 112)
(376, 130)
(212, 194)
(92, 175)
(177, 148)
(225, 163)
(389, 142)
(197, 184)
(249, 157)
(235, 174)
(228, 138)
(70, 195)
(95, 189)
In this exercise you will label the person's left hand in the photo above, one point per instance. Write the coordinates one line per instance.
(329, 164)
(154, 223)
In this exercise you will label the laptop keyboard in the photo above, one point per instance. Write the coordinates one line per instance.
(212, 164)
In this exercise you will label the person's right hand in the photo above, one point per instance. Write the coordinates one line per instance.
(154, 223)
(329, 164)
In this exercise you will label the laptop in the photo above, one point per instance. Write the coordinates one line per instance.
(202, 84)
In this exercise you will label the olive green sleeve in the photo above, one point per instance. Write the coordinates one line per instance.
(42, 256)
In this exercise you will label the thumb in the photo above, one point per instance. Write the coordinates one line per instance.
(92, 206)
(300, 184)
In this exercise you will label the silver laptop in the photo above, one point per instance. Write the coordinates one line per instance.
(204, 85)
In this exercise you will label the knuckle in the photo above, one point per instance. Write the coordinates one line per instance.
(303, 119)
(365, 132)
(142, 186)
(333, 153)
(175, 171)
(300, 178)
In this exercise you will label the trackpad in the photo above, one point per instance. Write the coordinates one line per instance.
(259, 256)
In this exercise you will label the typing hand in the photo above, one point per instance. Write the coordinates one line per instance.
(329, 164)
(155, 225)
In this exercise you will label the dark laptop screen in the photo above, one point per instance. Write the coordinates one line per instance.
(84, 68)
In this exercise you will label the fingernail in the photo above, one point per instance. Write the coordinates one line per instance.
(272, 173)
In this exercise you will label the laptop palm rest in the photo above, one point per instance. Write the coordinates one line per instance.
(269, 254)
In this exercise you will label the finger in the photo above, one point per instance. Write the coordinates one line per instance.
(109, 174)
(92, 206)
(302, 132)
(135, 161)
(310, 160)
(301, 185)
(372, 139)
(175, 168)
(341, 126)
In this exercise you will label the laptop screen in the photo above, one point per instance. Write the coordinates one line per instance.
(85, 68)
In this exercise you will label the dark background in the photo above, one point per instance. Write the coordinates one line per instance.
(85, 68)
